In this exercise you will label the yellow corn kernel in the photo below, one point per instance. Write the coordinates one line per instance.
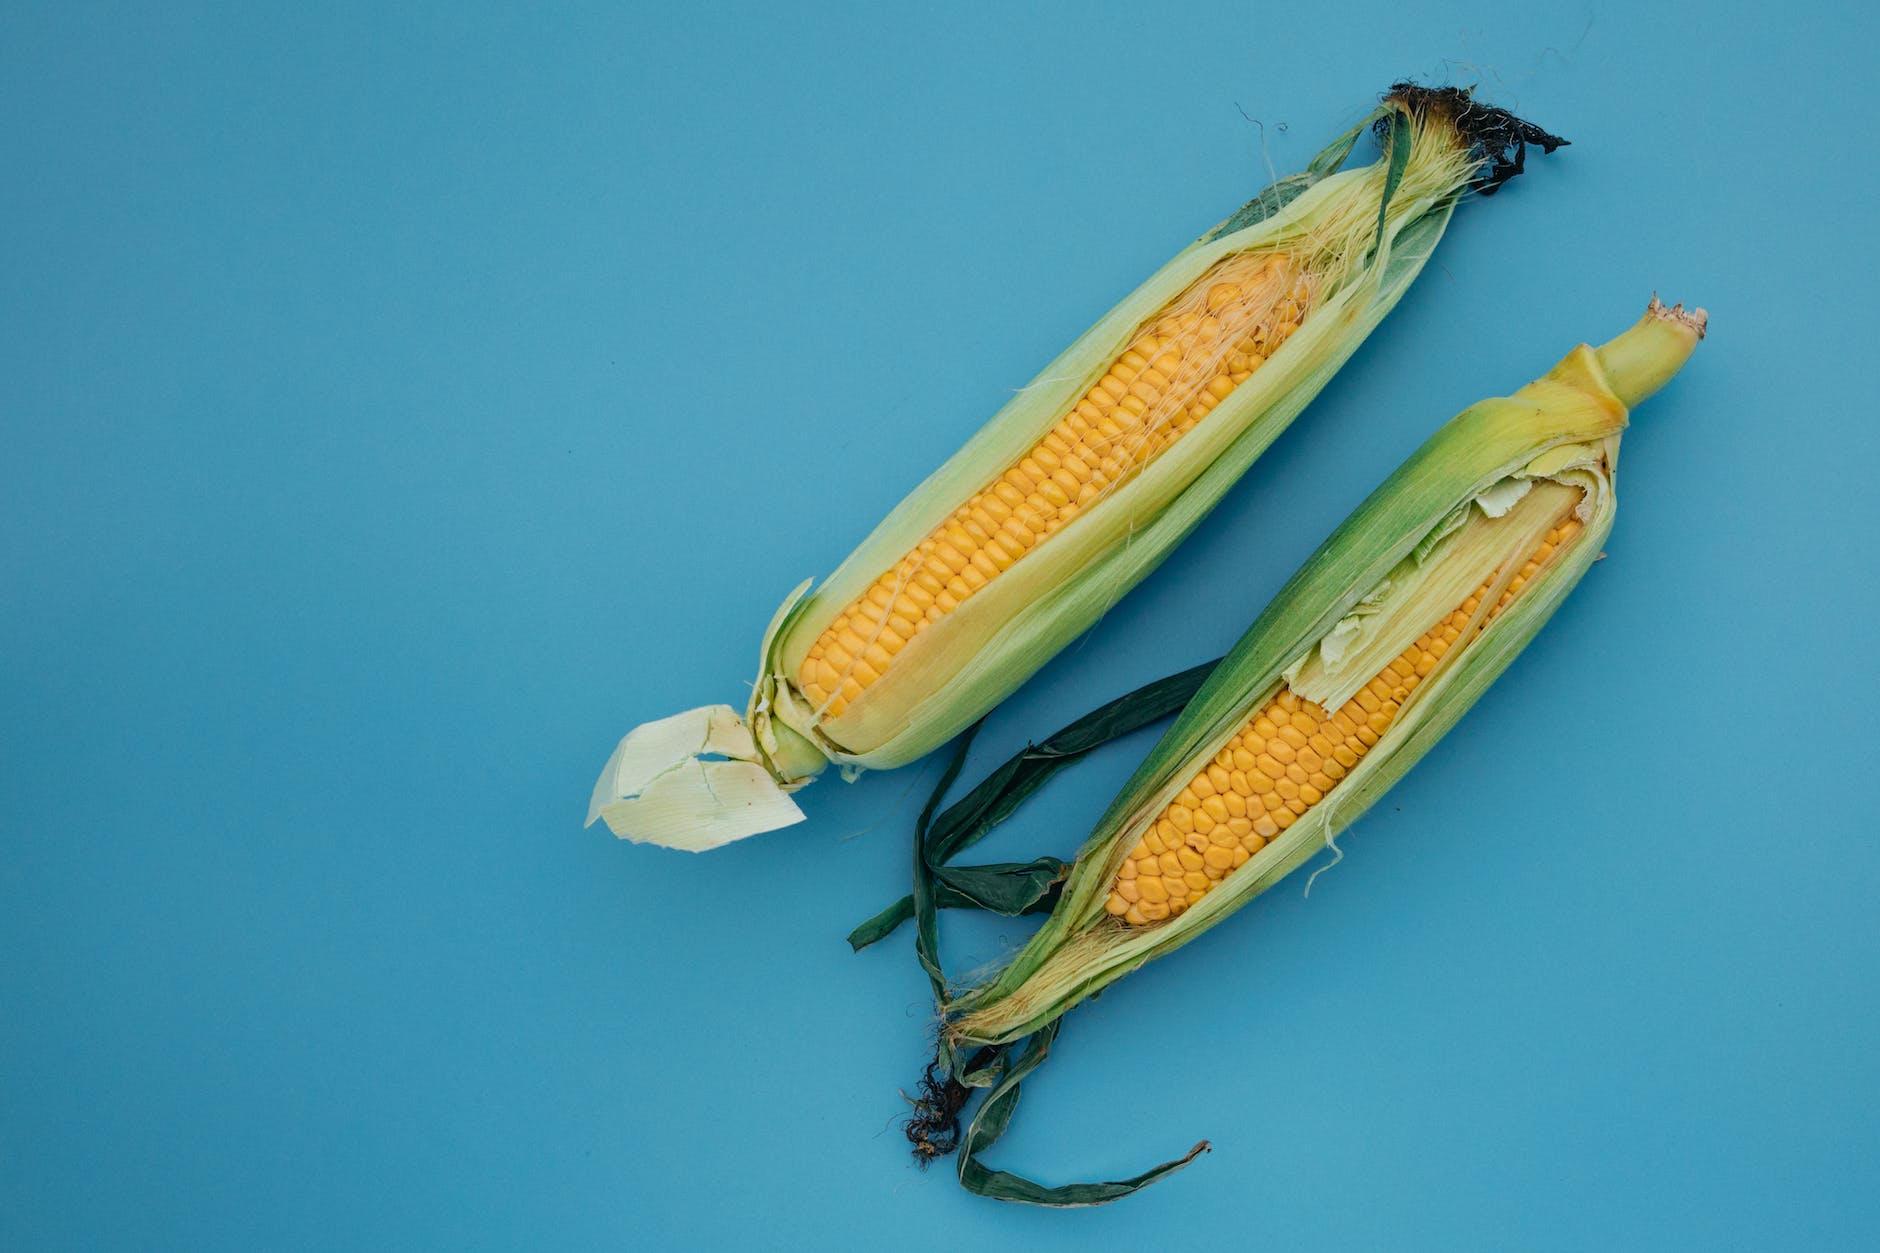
(1189, 359)
(1285, 755)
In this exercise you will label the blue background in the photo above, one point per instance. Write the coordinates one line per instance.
(400, 402)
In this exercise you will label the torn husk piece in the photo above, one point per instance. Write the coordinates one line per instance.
(1380, 642)
(695, 775)
(1081, 484)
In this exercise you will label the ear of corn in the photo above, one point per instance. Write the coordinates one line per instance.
(1482, 532)
(1081, 484)
(1379, 643)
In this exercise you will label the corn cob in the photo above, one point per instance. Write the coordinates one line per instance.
(1381, 641)
(1076, 489)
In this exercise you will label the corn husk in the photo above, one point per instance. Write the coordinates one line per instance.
(1372, 230)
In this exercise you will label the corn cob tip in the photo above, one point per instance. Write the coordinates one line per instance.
(1496, 138)
(1645, 358)
(1697, 319)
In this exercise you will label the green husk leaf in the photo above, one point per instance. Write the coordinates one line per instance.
(1396, 160)
(995, 1115)
(926, 906)
(1008, 888)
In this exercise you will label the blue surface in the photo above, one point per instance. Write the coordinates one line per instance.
(398, 406)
